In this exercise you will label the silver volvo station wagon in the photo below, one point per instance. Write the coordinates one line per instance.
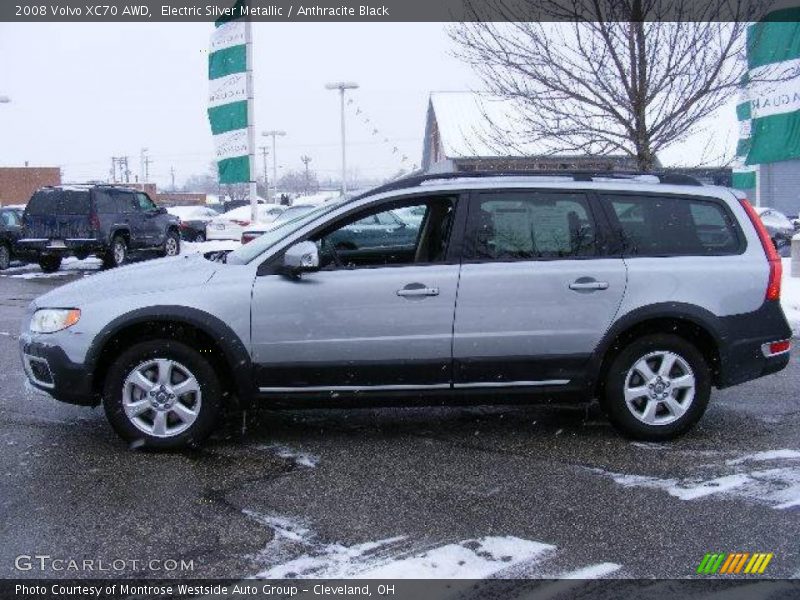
(642, 291)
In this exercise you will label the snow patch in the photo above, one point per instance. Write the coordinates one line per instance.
(592, 571)
(295, 552)
(300, 458)
(767, 455)
(777, 487)
(208, 246)
(790, 296)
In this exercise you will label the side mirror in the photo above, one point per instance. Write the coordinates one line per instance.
(303, 256)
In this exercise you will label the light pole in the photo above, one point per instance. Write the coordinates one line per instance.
(342, 86)
(274, 133)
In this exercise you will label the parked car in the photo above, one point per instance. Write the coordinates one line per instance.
(779, 226)
(10, 232)
(103, 220)
(193, 221)
(292, 212)
(643, 292)
(230, 225)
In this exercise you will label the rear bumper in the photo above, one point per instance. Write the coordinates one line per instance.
(741, 354)
(47, 247)
(49, 369)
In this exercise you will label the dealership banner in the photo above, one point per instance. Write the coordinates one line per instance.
(229, 106)
(773, 89)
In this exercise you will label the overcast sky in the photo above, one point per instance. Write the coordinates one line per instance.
(82, 93)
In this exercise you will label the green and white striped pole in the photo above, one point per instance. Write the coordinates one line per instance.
(230, 105)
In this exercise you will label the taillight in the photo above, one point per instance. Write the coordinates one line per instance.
(94, 221)
(775, 348)
(775, 266)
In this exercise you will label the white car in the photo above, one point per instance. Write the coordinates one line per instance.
(230, 225)
(292, 212)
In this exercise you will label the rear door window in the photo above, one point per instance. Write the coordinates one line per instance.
(673, 226)
(531, 225)
(59, 202)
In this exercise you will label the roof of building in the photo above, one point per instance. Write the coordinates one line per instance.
(471, 124)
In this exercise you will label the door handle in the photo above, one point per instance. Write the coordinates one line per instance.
(586, 284)
(415, 292)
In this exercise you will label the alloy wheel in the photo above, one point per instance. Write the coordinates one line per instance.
(659, 388)
(171, 246)
(161, 397)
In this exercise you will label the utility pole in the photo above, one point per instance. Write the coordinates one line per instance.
(342, 86)
(274, 133)
(114, 169)
(264, 153)
(142, 163)
(125, 172)
(147, 162)
(307, 159)
(172, 176)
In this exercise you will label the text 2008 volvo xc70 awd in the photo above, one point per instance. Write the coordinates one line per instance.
(642, 291)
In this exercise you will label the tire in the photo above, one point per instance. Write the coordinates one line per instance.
(200, 237)
(117, 253)
(5, 257)
(172, 244)
(668, 403)
(50, 264)
(188, 418)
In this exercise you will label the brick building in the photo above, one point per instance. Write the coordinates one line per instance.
(17, 184)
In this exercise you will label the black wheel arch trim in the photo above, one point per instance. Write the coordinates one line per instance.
(735, 337)
(690, 313)
(235, 352)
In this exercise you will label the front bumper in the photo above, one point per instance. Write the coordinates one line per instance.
(49, 369)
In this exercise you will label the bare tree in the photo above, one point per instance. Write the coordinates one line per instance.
(628, 77)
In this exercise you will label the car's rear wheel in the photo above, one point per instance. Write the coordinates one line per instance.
(5, 257)
(657, 388)
(117, 253)
(162, 394)
(200, 237)
(172, 245)
(50, 264)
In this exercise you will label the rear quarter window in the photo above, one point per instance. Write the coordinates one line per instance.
(673, 226)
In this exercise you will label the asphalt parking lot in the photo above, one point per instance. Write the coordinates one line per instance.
(535, 491)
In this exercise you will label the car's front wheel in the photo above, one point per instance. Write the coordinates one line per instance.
(172, 244)
(657, 388)
(162, 394)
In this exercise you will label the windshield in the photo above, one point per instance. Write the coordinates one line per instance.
(248, 252)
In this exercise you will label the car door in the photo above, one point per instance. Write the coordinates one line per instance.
(536, 293)
(374, 322)
(132, 217)
(154, 221)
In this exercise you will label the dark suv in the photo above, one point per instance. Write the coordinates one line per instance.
(104, 220)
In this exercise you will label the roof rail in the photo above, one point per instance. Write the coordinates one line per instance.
(417, 180)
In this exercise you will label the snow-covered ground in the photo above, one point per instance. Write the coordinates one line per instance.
(296, 551)
(790, 296)
(770, 478)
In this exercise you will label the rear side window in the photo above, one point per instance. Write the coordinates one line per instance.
(673, 226)
(531, 226)
(59, 202)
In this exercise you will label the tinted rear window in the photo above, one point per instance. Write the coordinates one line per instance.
(673, 226)
(59, 202)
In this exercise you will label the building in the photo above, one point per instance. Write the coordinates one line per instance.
(461, 134)
(17, 184)
(780, 186)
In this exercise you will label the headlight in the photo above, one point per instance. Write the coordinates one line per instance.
(50, 320)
